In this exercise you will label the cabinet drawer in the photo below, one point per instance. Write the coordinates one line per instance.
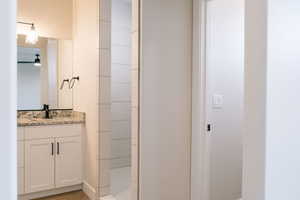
(21, 154)
(21, 181)
(41, 132)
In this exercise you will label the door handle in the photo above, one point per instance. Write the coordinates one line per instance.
(209, 127)
(52, 148)
(58, 148)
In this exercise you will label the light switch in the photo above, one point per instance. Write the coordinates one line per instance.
(217, 101)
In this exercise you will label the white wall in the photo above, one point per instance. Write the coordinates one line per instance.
(8, 101)
(121, 79)
(255, 99)
(86, 91)
(52, 18)
(165, 117)
(272, 80)
(283, 101)
(65, 71)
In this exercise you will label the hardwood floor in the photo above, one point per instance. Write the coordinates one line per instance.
(79, 195)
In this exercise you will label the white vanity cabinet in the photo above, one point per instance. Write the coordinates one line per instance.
(39, 165)
(67, 162)
(52, 157)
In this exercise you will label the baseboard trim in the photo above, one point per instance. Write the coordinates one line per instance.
(89, 191)
(50, 192)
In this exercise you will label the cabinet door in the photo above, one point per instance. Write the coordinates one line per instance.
(39, 165)
(68, 161)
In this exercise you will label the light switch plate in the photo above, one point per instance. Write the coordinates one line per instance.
(218, 101)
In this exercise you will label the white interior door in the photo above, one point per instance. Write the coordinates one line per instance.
(68, 161)
(225, 82)
(39, 165)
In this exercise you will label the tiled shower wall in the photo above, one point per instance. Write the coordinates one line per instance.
(121, 79)
(105, 127)
(105, 130)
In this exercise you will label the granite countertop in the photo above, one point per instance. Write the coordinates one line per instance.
(36, 119)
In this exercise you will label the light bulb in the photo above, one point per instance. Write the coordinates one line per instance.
(32, 36)
(37, 64)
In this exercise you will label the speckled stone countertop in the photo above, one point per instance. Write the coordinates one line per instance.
(36, 118)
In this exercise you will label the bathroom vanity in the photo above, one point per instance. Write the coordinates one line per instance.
(51, 135)
(49, 154)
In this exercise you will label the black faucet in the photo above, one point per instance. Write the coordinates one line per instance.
(47, 111)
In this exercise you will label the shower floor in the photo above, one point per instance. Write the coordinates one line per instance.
(120, 183)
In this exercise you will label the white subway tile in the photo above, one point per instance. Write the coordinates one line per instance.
(105, 35)
(105, 62)
(121, 111)
(121, 55)
(104, 191)
(121, 14)
(105, 90)
(121, 129)
(105, 118)
(105, 167)
(121, 73)
(121, 148)
(121, 92)
(121, 36)
(105, 10)
(120, 162)
(105, 145)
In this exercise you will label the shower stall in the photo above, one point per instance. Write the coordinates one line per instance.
(121, 99)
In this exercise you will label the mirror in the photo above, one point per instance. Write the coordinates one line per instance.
(45, 74)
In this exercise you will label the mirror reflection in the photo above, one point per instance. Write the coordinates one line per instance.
(45, 74)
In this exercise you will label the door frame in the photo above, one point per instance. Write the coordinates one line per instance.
(200, 141)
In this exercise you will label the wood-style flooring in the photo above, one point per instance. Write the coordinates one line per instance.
(79, 195)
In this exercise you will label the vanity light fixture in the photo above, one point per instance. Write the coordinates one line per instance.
(31, 36)
(37, 61)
